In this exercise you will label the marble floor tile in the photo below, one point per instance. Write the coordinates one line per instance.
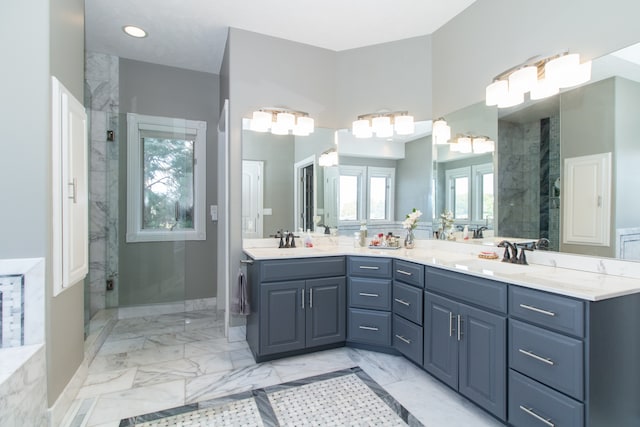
(221, 384)
(121, 346)
(136, 358)
(306, 365)
(215, 345)
(127, 403)
(384, 368)
(241, 358)
(184, 368)
(107, 382)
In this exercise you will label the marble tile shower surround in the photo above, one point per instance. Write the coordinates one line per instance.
(102, 92)
(154, 363)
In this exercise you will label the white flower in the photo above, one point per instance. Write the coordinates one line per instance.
(411, 220)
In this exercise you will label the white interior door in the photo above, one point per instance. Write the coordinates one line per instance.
(331, 178)
(252, 199)
(223, 214)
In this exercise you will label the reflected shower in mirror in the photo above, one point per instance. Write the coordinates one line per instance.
(283, 185)
(383, 179)
(537, 139)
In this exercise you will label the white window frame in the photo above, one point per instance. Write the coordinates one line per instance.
(450, 176)
(477, 172)
(137, 123)
(361, 173)
(390, 176)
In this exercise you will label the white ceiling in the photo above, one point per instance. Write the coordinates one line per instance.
(192, 33)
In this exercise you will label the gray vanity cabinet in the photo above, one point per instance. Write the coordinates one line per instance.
(465, 345)
(306, 311)
(408, 284)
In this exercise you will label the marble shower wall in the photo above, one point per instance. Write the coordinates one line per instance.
(528, 166)
(102, 102)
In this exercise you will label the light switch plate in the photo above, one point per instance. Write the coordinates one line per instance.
(214, 212)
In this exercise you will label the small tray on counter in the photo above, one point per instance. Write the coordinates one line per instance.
(384, 247)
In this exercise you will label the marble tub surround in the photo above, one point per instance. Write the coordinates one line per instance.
(582, 277)
(143, 368)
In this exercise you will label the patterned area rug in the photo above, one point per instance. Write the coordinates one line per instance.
(343, 398)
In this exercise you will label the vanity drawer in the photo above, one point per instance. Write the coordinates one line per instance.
(553, 311)
(369, 267)
(407, 302)
(553, 359)
(301, 268)
(409, 272)
(407, 339)
(532, 404)
(369, 327)
(370, 293)
(475, 290)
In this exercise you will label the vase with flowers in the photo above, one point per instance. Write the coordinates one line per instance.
(410, 223)
(447, 221)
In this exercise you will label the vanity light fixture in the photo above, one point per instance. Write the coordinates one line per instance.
(281, 121)
(472, 144)
(383, 124)
(134, 31)
(328, 158)
(440, 131)
(540, 77)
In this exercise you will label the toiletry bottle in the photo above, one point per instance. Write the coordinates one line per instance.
(308, 241)
(465, 232)
(363, 229)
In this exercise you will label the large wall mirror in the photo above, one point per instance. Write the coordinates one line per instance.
(283, 185)
(535, 142)
(383, 179)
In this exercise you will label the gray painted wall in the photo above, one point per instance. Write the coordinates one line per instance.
(168, 271)
(413, 179)
(491, 36)
(587, 117)
(627, 154)
(277, 154)
(65, 317)
(54, 45)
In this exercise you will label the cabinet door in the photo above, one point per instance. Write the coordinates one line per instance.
(483, 366)
(326, 311)
(282, 319)
(440, 339)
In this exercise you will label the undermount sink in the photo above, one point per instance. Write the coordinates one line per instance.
(490, 267)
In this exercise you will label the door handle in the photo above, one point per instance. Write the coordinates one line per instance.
(302, 299)
(459, 327)
(74, 190)
(311, 298)
(452, 328)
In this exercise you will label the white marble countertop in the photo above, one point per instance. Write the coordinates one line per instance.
(586, 285)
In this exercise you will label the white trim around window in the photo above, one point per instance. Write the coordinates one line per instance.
(141, 126)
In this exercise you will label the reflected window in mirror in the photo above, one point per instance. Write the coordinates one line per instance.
(469, 194)
(366, 193)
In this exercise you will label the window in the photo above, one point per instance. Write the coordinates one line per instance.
(166, 181)
(366, 193)
(469, 193)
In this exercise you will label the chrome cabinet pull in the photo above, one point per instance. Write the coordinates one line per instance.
(537, 310)
(401, 338)
(365, 294)
(530, 411)
(302, 299)
(535, 356)
(406, 273)
(311, 298)
(368, 328)
(459, 327)
(367, 267)
(452, 328)
(402, 302)
(74, 190)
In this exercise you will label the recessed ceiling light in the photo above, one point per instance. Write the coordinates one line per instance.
(134, 31)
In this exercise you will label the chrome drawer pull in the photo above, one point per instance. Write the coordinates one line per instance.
(529, 411)
(368, 328)
(401, 338)
(402, 302)
(367, 267)
(406, 273)
(535, 356)
(538, 310)
(365, 294)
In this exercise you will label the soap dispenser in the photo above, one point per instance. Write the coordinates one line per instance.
(308, 241)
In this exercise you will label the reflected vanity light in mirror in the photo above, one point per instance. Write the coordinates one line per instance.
(538, 77)
(328, 158)
(282, 121)
(383, 124)
(466, 144)
(441, 133)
